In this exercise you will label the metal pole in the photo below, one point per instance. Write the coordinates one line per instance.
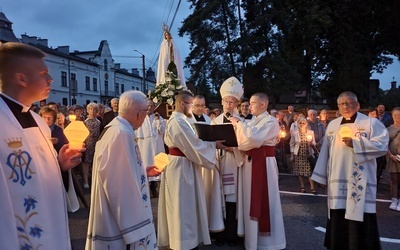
(144, 74)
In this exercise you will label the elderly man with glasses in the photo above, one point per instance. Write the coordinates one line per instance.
(346, 164)
(229, 159)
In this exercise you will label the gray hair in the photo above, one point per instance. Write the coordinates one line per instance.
(312, 111)
(93, 105)
(132, 101)
(348, 94)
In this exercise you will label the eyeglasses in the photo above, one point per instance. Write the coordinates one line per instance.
(199, 106)
(229, 103)
(347, 104)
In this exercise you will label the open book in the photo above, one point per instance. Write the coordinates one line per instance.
(217, 132)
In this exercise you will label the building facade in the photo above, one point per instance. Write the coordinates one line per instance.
(81, 77)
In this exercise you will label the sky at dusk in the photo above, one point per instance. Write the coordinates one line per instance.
(127, 25)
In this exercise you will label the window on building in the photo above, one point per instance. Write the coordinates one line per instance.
(117, 88)
(137, 88)
(65, 101)
(87, 102)
(87, 80)
(63, 79)
(105, 65)
(122, 88)
(94, 84)
(73, 76)
(106, 87)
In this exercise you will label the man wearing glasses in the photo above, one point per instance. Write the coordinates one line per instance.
(199, 105)
(182, 214)
(346, 164)
(229, 159)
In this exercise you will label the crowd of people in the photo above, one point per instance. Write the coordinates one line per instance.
(208, 191)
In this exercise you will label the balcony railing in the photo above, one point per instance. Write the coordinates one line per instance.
(107, 93)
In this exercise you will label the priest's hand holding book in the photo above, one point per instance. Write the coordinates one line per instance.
(220, 145)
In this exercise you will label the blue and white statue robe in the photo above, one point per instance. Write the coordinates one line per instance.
(33, 211)
(350, 173)
(120, 210)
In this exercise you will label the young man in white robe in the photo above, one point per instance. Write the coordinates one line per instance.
(260, 211)
(347, 165)
(120, 212)
(182, 215)
(33, 211)
(150, 139)
(229, 162)
(211, 181)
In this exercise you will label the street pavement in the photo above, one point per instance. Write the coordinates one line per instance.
(304, 217)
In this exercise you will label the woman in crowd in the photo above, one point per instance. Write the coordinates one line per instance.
(294, 126)
(58, 138)
(302, 144)
(323, 117)
(61, 121)
(373, 113)
(93, 124)
(393, 163)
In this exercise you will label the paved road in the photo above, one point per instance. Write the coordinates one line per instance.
(304, 218)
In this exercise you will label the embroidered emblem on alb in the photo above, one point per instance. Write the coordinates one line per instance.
(19, 162)
(361, 132)
(26, 231)
(138, 156)
(330, 136)
(144, 242)
(356, 187)
(143, 188)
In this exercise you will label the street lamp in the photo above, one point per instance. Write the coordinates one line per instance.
(143, 71)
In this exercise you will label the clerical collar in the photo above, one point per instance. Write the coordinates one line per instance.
(349, 120)
(20, 112)
(247, 117)
(20, 106)
(226, 120)
(199, 118)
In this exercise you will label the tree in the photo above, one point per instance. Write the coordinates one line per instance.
(292, 45)
(213, 31)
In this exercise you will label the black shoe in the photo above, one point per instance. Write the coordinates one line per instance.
(232, 243)
(219, 243)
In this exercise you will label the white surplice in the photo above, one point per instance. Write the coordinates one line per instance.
(263, 130)
(120, 210)
(215, 201)
(182, 215)
(150, 138)
(350, 173)
(33, 200)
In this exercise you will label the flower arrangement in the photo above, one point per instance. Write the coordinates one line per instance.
(165, 92)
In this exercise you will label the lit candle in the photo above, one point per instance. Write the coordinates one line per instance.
(309, 137)
(76, 133)
(345, 131)
(282, 134)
